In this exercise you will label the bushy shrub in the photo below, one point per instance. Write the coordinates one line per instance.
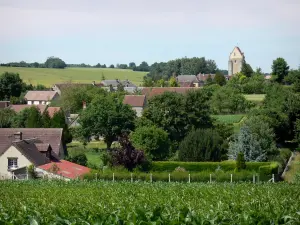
(169, 166)
(240, 162)
(80, 159)
(201, 145)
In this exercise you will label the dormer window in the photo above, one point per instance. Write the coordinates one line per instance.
(12, 163)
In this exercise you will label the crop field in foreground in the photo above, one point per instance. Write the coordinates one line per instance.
(48, 77)
(50, 202)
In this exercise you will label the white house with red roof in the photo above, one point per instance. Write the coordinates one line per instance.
(40, 147)
(137, 102)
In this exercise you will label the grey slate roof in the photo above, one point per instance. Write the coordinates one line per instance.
(187, 78)
(52, 136)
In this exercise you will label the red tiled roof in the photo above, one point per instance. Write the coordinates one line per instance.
(40, 95)
(135, 100)
(19, 108)
(150, 92)
(53, 110)
(67, 169)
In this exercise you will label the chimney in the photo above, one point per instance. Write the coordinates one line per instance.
(18, 136)
(84, 105)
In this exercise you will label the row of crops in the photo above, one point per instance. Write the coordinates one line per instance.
(58, 202)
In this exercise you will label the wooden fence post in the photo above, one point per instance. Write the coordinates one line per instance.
(113, 177)
(253, 178)
(209, 178)
(169, 177)
(189, 178)
(230, 178)
(131, 177)
(150, 177)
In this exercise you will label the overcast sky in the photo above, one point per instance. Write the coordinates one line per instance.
(121, 31)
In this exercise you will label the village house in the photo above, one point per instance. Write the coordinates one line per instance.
(40, 97)
(138, 103)
(42, 108)
(40, 147)
(151, 92)
(60, 87)
(188, 81)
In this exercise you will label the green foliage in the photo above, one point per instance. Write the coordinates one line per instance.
(10, 85)
(293, 76)
(144, 203)
(46, 119)
(280, 69)
(107, 117)
(248, 144)
(264, 134)
(240, 162)
(59, 121)
(177, 114)
(219, 79)
(201, 145)
(229, 100)
(173, 82)
(80, 159)
(6, 117)
(169, 166)
(152, 140)
(54, 62)
(229, 119)
(297, 131)
(31, 172)
(34, 118)
(246, 69)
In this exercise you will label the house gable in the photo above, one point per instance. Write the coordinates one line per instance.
(12, 152)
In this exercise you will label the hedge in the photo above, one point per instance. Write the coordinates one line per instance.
(204, 176)
(169, 166)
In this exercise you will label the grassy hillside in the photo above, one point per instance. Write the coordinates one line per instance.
(82, 75)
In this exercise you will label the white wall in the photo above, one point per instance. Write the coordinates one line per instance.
(47, 175)
(138, 110)
(36, 102)
(12, 152)
(29, 103)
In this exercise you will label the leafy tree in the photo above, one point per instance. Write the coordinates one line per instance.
(103, 66)
(127, 155)
(10, 85)
(112, 66)
(142, 67)
(220, 79)
(102, 76)
(107, 117)
(293, 76)
(201, 145)
(246, 69)
(297, 131)
(280, 69)
(34, 119)
(264, 133)
(122, 66)
(54, 62)
(254, 85)
(240, 162)
(197, 110)
(161, 83)
(152, 140)
(46, 119)
(248, 144)
(80, 159)
(59, 121)
(6, 117)
(148, 82)
(173, 82)
(229, 100)
(132, 65)
(209, 80)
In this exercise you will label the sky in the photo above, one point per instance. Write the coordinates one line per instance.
(122, 31)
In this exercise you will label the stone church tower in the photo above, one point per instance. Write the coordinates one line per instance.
(235, 62)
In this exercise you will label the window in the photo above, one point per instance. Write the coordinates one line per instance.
(12, 163)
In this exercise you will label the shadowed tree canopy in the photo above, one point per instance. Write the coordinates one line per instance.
(55, 62)
(246, 69)
(10, 85)
(280, 69)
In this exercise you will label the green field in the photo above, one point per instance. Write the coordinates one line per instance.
(255, 97)
(58, 202)
(229, 119)
(48, 77)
